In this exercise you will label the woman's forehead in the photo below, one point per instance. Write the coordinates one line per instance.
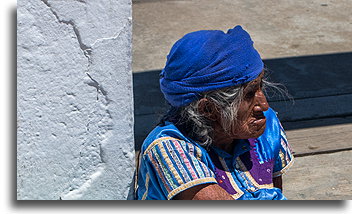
(256, 81)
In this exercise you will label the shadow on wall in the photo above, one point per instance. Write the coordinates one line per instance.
(319, 84)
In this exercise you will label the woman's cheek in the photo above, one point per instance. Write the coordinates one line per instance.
(242, 132)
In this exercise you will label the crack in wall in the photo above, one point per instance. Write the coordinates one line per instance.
(92, 148)
(82, 1)
(116, 35)
(86, 50)
(96, 85)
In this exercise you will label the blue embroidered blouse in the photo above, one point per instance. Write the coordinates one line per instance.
(171, 163)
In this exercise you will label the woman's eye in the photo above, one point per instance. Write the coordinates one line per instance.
(250, 94)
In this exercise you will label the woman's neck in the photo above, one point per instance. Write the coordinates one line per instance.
(223, 141)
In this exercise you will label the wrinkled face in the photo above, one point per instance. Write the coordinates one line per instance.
(250, 118)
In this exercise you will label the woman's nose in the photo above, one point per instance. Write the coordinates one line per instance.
(261, 101)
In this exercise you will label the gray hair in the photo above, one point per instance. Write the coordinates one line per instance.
(198, 127)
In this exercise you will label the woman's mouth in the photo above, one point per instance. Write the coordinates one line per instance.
(259, 119)
(259, 115)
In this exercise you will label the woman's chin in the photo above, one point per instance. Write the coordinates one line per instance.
(258, 131)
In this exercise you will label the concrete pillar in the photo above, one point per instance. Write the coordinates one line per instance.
(74, 100)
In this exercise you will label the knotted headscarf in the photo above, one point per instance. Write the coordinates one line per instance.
(208, 60)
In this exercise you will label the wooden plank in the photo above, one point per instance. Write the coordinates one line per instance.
(320, 139)
(320, 177)
(313, 108)
(148, 99)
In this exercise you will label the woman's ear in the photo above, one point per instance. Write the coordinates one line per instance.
(208, 109)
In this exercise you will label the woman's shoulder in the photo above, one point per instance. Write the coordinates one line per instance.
(167, 136)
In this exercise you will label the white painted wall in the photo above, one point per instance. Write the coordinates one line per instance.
(74, 100)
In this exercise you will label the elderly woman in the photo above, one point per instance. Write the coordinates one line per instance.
(219, 140)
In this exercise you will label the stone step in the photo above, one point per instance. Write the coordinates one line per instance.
(319, 136)
(320, 177)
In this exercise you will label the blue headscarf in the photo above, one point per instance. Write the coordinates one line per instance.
(208, 60)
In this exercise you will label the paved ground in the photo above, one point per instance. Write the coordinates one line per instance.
(320, 177)
(307, 47)
(280, 28)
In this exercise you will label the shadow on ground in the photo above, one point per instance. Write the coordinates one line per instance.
(320, 86)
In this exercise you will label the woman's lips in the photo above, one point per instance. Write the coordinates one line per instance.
(260, 122)
(259, 115)
(260, 119)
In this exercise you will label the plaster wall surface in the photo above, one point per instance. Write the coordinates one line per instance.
(74, 100)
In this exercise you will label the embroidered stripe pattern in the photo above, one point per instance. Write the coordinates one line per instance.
(170, 165)
(185, 159)
(234, 185)
(206, 170)
(199, 171)
(191, 149)
(231, 179)
(285, 153)
(283, 143)
(159, 171)
(283, 135)
(190, 184)
(146, 187)
(165, 170)
(282, 157)
(288, 158)
(250, 177)
(241, 173)
(152, 145)
(174, 165)
(199, 153)
(178, 162)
